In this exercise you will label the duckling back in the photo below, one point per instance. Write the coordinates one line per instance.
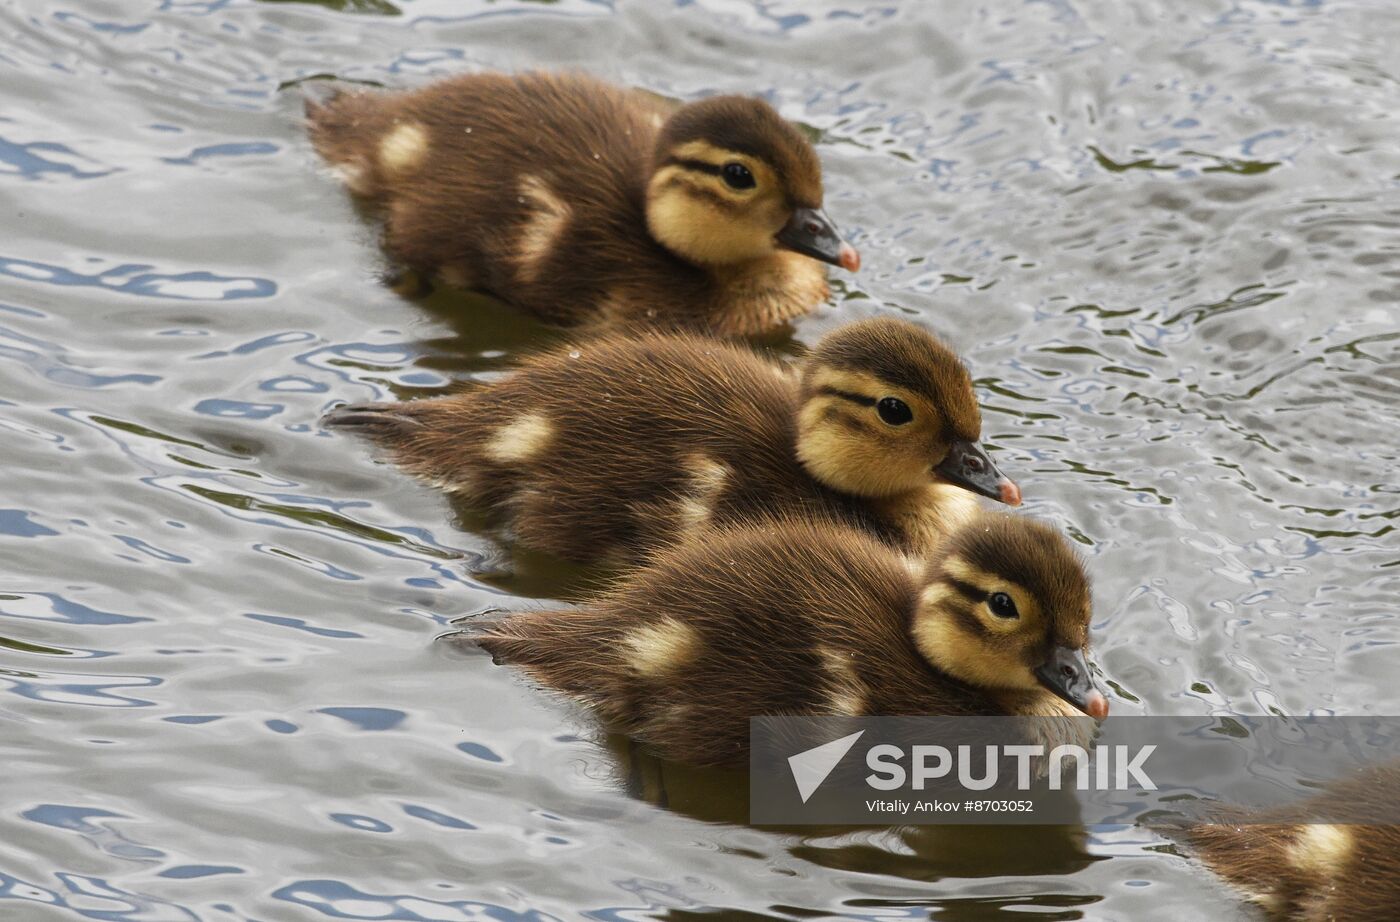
(1301, 870)
(584, 203)
(527, 186)
(783, 618)
(613, 448)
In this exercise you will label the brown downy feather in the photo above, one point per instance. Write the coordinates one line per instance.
(611, 448)
(535, 188)
(1302, 871)
(781, 618)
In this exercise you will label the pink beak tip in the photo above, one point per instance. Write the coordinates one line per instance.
(850, 258)
(1010, 493)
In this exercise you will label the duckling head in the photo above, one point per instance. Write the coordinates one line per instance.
(887, 408)
(1006, 608)
(732, 182)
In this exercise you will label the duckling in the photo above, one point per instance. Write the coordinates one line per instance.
(1301, 870)
(608, 449)
(591, 204)
(800, 618)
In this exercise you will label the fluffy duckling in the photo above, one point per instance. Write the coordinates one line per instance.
(587, 203)
(608, 449)
(1303, 871)
(808, 619)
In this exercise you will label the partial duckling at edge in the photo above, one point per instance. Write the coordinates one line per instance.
(801, 619)
(1300, 868)
(611, 448)
(591, 204)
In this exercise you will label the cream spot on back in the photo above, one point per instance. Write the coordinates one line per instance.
(707, 476)
(548, 214)
(846, 693)
(656, 649)
(403, 148)
(1321, 849)
(707, 480)
(520, 440)
(693, 514)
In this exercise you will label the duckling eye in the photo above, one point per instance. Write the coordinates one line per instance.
(738, 176)
(1001, 605)
(894, 411)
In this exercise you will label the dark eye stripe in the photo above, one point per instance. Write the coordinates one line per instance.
(699, 166)
(967, 617)
(847, 395)
(967, 590)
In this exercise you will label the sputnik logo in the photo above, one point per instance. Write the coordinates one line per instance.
(812, 766)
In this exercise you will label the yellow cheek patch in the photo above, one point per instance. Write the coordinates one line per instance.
(403, 148)
(660, 648)
(692, 227)
(857, 462)
(521, 440)
(944, 643)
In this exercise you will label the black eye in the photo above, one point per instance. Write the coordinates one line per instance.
(738, 176)
(894, 411)
(1001, 605)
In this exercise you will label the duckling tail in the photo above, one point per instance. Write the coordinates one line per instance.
(346, 126)
(383, 421)
(529, 639)
(317, 95)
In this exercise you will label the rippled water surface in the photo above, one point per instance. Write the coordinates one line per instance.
(1163, 234)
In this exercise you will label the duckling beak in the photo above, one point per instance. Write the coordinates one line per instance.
(810, 232)
(968, 466)
(1067, 674)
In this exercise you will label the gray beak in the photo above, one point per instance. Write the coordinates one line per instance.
(1066, 673)
(810, 232)
(969, 466)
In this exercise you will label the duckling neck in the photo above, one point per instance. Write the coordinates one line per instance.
(766, 292)
(926, 516)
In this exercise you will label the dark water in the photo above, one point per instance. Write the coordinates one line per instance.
(1164, 234)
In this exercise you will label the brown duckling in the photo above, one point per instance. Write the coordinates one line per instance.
(588, 203)
(798, 618)
(1302, 871)
(611, 448)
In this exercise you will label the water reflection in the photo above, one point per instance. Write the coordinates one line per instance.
(1163, 239)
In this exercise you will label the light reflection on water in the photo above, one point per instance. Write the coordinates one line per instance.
(1164, 238)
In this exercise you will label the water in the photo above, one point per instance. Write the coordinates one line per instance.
(1164, 235)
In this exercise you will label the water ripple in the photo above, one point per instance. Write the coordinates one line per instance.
(137, 279)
